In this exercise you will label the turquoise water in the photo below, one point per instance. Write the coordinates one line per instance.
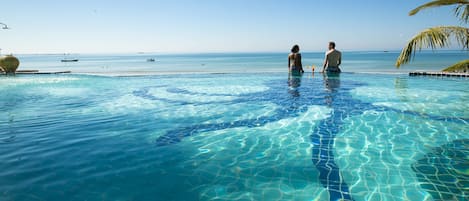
(135, 64)
(239, 136)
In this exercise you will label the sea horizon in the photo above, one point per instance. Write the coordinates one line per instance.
(231, 52)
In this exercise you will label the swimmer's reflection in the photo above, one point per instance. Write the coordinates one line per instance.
(401, 86)
(294, 82)
(332, 84)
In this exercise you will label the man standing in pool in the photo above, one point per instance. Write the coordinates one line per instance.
(333, 60)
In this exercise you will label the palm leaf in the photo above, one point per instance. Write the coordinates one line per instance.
(462, 66)
(436, 37)
(461, 11)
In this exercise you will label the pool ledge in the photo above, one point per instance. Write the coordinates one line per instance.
(439, 74)
(36, 72)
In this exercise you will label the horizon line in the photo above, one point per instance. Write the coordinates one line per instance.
(225, 52)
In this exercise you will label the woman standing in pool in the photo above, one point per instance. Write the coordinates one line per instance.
(294, 60)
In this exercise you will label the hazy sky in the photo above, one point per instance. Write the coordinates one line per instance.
(125, 26)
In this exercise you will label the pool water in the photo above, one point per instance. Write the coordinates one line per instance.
(265, 136)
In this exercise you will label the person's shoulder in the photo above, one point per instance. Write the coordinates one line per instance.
(335, 52)
(294, 54)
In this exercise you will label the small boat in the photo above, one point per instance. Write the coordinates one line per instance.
(69, 60)
(151, 60)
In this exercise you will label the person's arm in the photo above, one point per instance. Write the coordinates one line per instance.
(325, 64)
(299, 62)
(289, 62)
(340, 59)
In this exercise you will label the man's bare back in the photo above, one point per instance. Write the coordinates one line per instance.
(332, 60)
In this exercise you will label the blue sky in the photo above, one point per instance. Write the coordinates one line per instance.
(125, 26)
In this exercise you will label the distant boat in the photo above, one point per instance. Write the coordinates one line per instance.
(69, 60)
(151, 60)
(65, 59)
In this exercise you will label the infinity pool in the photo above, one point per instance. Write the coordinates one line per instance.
(234, 137)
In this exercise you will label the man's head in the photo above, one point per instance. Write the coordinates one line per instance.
(331, 45)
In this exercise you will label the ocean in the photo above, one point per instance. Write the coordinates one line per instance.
(135, 64)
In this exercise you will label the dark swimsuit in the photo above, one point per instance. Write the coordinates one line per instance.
(333, 69)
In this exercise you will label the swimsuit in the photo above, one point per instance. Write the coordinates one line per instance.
(333, 69)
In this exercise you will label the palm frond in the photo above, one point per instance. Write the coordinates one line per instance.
(462, 12)
(436, 37)
(438, 3)
(460, 67)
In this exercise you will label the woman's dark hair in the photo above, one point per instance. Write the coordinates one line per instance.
(295, 49)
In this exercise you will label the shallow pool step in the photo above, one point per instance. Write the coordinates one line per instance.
(440, 74)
